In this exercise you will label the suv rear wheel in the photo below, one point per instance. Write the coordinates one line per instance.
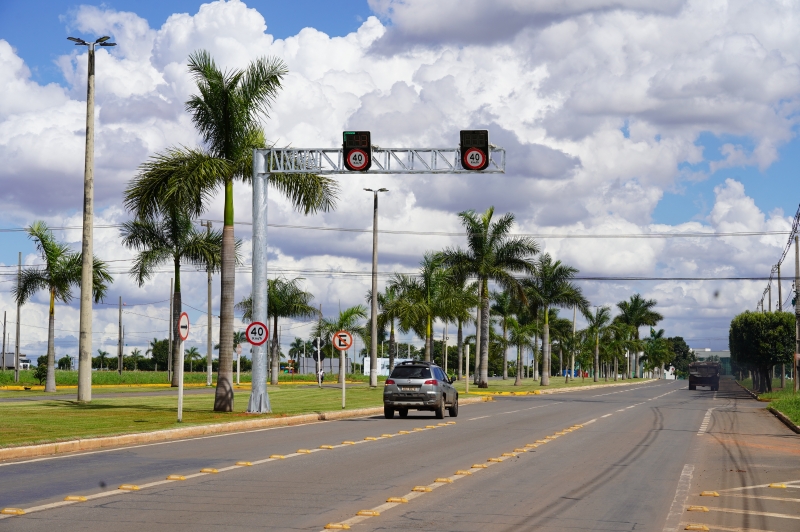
(388, 412)
(453, 410)
(440, 409)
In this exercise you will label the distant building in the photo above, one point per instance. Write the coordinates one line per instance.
(723, 357)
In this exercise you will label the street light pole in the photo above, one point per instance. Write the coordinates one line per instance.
(85, 335)
(373, 347)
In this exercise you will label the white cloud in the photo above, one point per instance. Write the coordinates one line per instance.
(598, 102)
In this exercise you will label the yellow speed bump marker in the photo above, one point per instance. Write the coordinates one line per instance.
(348, 442)
(532, 445)
(479, 466)
(450, 423)
(521, 450)
(709, 494)
(337, 526)
(244, 464)
(387, 435)
(403, 432)
(430, 426)
(326, 446)
(463, 472)
(303, 451)
(129, 487)
(777, 485)
(75, 498)
(401, 500)
(176, 477)
(12, 511)
(494, 460)
(210, 470)
(277, 456)
(422, 489)
(541, 441)
(444, 480)
(368, 513)
(696, 527)
(417, 429)
(442, 424)
(697, 509)
(370, 438)
(508, 454)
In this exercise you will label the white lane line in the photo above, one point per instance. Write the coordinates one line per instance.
(679, 502)
(628, 390)
(474, 418)
(607, 415)
(706, 421)
(590, 421)
(514, 411)
(782, 499)
(750, 512)
(787, 482)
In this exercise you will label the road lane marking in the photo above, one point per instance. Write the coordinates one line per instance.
(764, 497)
(706, 421)
(607, 415)
(628, 390)
(679, 502)
(474, 418)
(751, 512)
(787, 482)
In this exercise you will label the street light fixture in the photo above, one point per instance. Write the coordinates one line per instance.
(373, 341)
(85, 336)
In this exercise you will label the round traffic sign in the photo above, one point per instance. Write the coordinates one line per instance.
(357, 159)
(183, 326)
(342, 340)
(256, 333)
(474, 159)
(239, 349)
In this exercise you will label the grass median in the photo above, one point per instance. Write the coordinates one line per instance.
(532, 385)
(782, 399)
(48, 421)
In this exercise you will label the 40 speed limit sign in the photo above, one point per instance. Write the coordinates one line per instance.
(474, 159)
(256, 333)
(357, 159)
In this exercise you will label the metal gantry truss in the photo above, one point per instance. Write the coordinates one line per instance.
(384, 161)
(329, 161)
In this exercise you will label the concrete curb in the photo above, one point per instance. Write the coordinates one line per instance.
(786, 421)
(562, 390)
(90, 444)
(752, 393)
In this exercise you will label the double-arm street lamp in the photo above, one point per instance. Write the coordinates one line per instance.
(85, 337)
(373, 340)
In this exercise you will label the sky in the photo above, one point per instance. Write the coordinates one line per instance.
(619, 117)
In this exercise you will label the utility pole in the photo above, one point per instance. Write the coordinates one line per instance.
(87, 256)
(780, 297)
(373, 341)
(444, 346)
(119, 339)
(769, 290)
(3, 365)
(171, 328)
(19, 309)
(795, 365)
(477, 334)
(207, 225)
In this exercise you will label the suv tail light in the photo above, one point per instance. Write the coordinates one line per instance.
(388, 381)
(432, 381)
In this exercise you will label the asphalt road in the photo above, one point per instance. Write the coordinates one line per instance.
(642, 456)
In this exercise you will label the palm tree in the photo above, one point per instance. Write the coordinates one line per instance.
(165, 238)
(192, 354)
(491, 254)
(522, 335)
(638, 312)
(61, 272)
(347, 320)
(285, 299)
(550, 286)
(297, 348)
(503, 308)
(103, 358)
(226, 112)
(597, 324)
(136, 357)
(388, 312)
(657, 351)
(459, 298)
(420, 299)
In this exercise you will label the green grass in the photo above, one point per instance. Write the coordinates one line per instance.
(781, 399)
(48, 421)
(530, 385)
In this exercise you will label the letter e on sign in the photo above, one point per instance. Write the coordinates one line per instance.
(342, 340)
(256, 333)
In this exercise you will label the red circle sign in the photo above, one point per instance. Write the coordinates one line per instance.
(357, 159)
(342, 340)
(183, 326)
(474, 159)
(256, 333)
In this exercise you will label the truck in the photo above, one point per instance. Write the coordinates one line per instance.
(704, 374)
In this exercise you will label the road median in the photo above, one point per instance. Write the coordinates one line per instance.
(194, 431)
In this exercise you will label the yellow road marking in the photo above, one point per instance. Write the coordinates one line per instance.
(12, 511)
(75, 498)
(176, 477)
(209, 470)
(129, 487)
(398, 500)
(244, 464)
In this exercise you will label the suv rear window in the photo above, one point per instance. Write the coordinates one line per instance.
(411, 372)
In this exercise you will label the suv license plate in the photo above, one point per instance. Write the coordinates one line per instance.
(409, 388)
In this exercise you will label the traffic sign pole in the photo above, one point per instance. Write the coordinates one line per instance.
(342, 341)
(183, 334)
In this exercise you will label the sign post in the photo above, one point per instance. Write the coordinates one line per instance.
(238, 361)
(183, 333)
(256, 334)
(342, 341)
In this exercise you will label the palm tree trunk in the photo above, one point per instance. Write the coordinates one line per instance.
(535, 357)
(460, 341)
(176, 314)
(518, 378)
(50, 383)
(636, 358)
(428, 339)
(223, 398)
(276, 352)
(484, 380)
(392, 347)
(560, 359)
(546, 349)
(505, 350)
(478, 330)
(596, 357)
(615, 368)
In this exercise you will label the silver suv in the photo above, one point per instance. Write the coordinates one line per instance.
(419, 386)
